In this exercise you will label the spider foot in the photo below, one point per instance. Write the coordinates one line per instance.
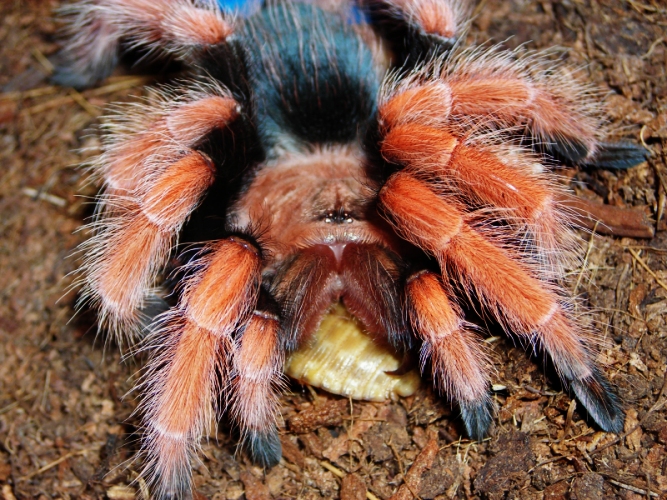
(620, 155)
(180, 492)
(69, 73)
(93, 51)
(264, 448)
(477, 417)
(600, 401)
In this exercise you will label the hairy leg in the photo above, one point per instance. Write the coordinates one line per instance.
(504, 179)
(154, 181)
(458, 364)
(193, 344)
(418, 29)
(256, 384)
(98, 28)
(504, 283)
(508, 90)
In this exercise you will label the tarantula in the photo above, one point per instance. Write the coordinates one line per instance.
(320, 154)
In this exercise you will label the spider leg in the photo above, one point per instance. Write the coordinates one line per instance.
(525, 305)
(154, 182)
(495, 90)
(258, 367)
(97, 29)
(550, 114)
(193, 342)
(485, 178)
(146, 139)
(619, 155)
(417, 29)
(458, 364)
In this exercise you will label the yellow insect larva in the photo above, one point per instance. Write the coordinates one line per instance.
(342, 358)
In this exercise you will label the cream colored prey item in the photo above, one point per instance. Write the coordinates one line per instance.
(342, 358)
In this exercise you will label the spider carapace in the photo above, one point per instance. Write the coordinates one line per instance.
(317, 155)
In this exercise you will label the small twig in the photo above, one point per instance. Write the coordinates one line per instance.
(53, 103)
(126, 83)
(412, 479)
(41, 59)
(591, 242)
(630, 315)
(401, 470)
(650, 249)
(81, 101)
(550, 460)
(462, 441)
(38, 195)
(45, 393)
(648, 269)
(55, 462)
(398, 459)
(28, 94)
(639, 7)
(331, 468)
(107, 89)
(478, 9)
(574, 438)
(634, 489)
(13, 405)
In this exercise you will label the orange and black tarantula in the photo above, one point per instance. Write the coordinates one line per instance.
(325, 154)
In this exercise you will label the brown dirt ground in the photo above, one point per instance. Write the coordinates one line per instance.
(66, 431)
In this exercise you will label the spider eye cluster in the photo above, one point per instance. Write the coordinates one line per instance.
(337, 217)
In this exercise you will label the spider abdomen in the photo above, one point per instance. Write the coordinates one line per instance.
(313, 80)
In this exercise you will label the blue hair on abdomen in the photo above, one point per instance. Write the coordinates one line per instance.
(245, 8)
(242, 7)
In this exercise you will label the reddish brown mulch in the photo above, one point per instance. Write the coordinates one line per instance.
(66, 429)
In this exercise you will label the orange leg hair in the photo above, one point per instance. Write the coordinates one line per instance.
(458, 364)
(97, 28)
(154, 181)
(192, 345)
(258, 368)
(495, 90)
(151, 139)
(485, 179)
(527, 306)
(549, 114)
(441, 18)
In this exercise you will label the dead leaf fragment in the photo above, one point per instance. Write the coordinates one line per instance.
(352, 488)
(413, 478)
